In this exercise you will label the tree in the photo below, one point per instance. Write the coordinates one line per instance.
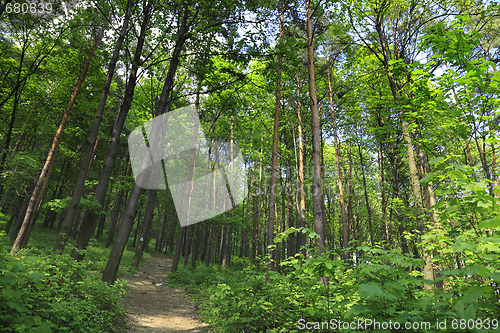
(317, 188)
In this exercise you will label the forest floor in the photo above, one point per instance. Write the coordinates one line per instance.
(153, 306)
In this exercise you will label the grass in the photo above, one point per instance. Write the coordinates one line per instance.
(43, 239)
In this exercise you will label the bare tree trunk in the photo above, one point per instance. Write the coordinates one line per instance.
(187, 243)
(382, 195)
(257, 250)
(338, 162)
(146, 226)
(317, 186)
(114, 217)
(17, 93)
(302, 195)
(208, 250)
(120, 243)
(178, 249)
(274, 163)
(196, 246)
(370, 227)
(226, 245)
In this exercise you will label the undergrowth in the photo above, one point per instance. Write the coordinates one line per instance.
(387, 286)
(45, 292)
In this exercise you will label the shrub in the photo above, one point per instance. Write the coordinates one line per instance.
(54, 293)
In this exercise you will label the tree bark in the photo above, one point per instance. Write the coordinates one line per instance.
(146, 226)
(317, 186)
(274, 163)
(370, 227)
(178, 249)
(338, 162)
(302, 194)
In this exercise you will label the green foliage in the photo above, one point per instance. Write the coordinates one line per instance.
(386, 285)
(54, 293)
(87, 201)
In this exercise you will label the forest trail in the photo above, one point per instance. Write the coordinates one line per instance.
(153, 306)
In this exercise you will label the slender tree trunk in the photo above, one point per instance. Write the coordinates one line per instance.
(370, 227)
(382, 195)
(17, 94)
(317, 186)
(196, 246)
(274, 163)
(137, 228)
(102, 218)
(146, 226)
(302, 194)
(350, 215)
(258, 231)
(338, 162)
(114, 217)
(16, 213)
(208, 250)
(178, 249)
(171, 242)
(226, 245)
(160, 237)
(187, 243)
(120, 243)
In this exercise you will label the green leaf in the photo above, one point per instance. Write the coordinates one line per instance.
(371, 290)
(456, 174)
(436, 160)
(492, 223)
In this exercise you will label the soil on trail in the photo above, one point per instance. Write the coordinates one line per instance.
(153, 306)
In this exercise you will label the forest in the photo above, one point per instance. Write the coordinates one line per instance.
(364, 137)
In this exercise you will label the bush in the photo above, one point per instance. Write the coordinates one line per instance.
(54, 293)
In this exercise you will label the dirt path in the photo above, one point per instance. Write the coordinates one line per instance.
(152, 306)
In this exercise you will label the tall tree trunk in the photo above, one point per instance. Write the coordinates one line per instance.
(302, 194)
(20, 216)
(274, 163)
(38, 191)
(146, 226)
(382, 195)
(187, 243)
(370, 227)
(102, 218)
(178, 248)
(317, 186)
(114, 217)
(258, 214)
(338, 162)
(122, 236)
(208, 249)
(226, 245)
(196, 246)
